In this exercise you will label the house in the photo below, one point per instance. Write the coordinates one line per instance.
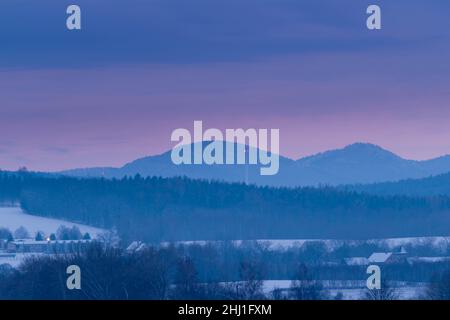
(26, 246)
(379, 258)
(388, 257)
(14, 252)
(136, 246)
(46, 246)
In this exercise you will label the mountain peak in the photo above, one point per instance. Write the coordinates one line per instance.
(363, 145)
(366, 147)
(372, 151)
(358, 150)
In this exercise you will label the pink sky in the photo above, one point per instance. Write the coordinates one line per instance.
(115, 90)
(65, 118)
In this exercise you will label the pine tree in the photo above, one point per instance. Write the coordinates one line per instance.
(39, 236)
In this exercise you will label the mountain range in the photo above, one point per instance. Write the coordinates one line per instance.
(358, 163)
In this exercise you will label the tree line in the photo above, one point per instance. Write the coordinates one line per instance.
(161, 273)
(157, 209)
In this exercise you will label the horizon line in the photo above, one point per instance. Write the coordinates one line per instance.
(285, 157)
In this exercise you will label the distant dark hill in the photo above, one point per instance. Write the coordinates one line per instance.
(432, 186)
(359, 163)
(162, 166)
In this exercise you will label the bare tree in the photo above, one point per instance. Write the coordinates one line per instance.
(109, 238)
(386, 292)
(186, 280)
(5, 234)
(439, 287)
(251, 285)
(304, 287)
(21, 233)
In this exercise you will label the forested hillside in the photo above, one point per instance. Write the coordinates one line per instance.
(432, 186)
(155, 209)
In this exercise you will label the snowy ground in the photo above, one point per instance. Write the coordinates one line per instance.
(353, 290)
(14, 260)
(13, 217)
(331, 244)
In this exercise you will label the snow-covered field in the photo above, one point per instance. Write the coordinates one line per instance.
(13, 217)
(14, 260)
(331, 244)
(355, 291)
(351, 289)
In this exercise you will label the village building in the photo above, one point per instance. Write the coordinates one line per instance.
(45, 246)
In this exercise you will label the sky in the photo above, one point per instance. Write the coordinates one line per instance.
(115, 90)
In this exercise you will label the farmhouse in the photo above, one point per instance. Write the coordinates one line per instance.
(379, 258)
(388, 257)
(49, 247)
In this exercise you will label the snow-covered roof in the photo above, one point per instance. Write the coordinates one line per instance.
(141, 247)
(32, 241)
(357, 261)
(136, 246)
(379, 257)
(133, 246)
